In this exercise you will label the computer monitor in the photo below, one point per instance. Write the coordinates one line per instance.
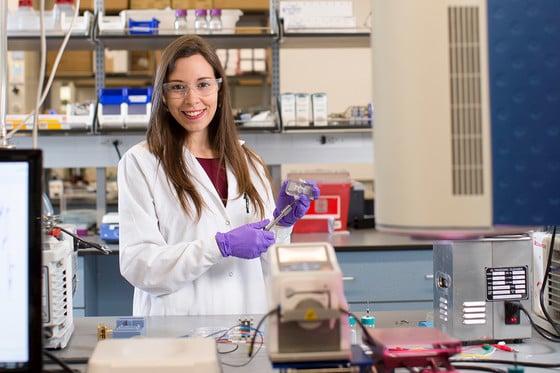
(20, 260)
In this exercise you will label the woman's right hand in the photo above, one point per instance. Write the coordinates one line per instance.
(247, 241)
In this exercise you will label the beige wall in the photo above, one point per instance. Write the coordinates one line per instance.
(343, 73)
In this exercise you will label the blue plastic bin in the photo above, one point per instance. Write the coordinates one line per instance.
(111, 100)
(143, 27)
(137, 99)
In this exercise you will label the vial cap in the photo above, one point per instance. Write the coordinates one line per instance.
(180, 12)
(64, 2)
(25, 3)
(215, 12)
(351, 320)
(200, 13)
(368, 320)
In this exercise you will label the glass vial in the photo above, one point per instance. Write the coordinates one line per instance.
(368, 320)
(215, 24)
(200, 22)
(180, 23)
(353, 332)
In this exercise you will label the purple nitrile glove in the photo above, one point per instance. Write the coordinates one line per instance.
(247, 241)
(300, 204)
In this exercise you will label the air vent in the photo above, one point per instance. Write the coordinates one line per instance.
(474, 313)
(553, 286)
(466, 106)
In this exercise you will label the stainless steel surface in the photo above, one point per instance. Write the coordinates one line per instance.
(474, 279)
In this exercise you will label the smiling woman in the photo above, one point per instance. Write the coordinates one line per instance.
(194, 199)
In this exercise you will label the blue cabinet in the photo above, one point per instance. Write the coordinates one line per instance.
(102, 291)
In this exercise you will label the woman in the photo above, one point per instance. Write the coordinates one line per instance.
(193, 199)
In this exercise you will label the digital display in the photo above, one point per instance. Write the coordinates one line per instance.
(21, 172)
(13, 266)
(289, 254)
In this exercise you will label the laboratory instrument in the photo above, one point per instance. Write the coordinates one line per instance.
(475, 152)
(474, 281)
(21, 173)
(425, 350)
(59, 276)
(305, 284)
(60, 266)
(546, 314)
(294, 188)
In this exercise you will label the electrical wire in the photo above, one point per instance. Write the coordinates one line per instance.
(508, 362)
(257, 329)
(541, 331)
(65, 367)
(116, 145)
(480, 368)
(44, 93)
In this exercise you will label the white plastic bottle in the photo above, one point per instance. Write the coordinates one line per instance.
(215, 24)
(200, 22)
(180, 24)
(25, 18)
(63, 11)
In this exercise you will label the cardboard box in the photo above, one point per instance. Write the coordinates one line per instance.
(149, 4)
(72, 63)
(113, 6)
(319, 109)
(242, 4)
(116, 61)
(141, 62)
(192, 4)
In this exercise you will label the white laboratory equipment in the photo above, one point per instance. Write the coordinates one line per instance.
(62, 13)
(305, 286)
(60, 263)
(475, 146)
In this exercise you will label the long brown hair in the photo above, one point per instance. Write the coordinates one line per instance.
(166, 137)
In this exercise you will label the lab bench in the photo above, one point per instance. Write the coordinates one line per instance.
(381, 271)
(84, 339)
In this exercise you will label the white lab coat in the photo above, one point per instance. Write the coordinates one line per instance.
(173, 261)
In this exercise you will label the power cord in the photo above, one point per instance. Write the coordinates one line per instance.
(541, 331)
(65, 367)
(257, 329)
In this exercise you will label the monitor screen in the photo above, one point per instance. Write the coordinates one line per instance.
(20, 260)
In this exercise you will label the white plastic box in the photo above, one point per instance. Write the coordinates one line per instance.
(320, 112)
(288, 109)
(303, 109)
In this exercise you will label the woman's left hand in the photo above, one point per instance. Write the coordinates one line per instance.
(300, 204)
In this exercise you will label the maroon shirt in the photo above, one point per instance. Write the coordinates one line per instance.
(217, 174)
